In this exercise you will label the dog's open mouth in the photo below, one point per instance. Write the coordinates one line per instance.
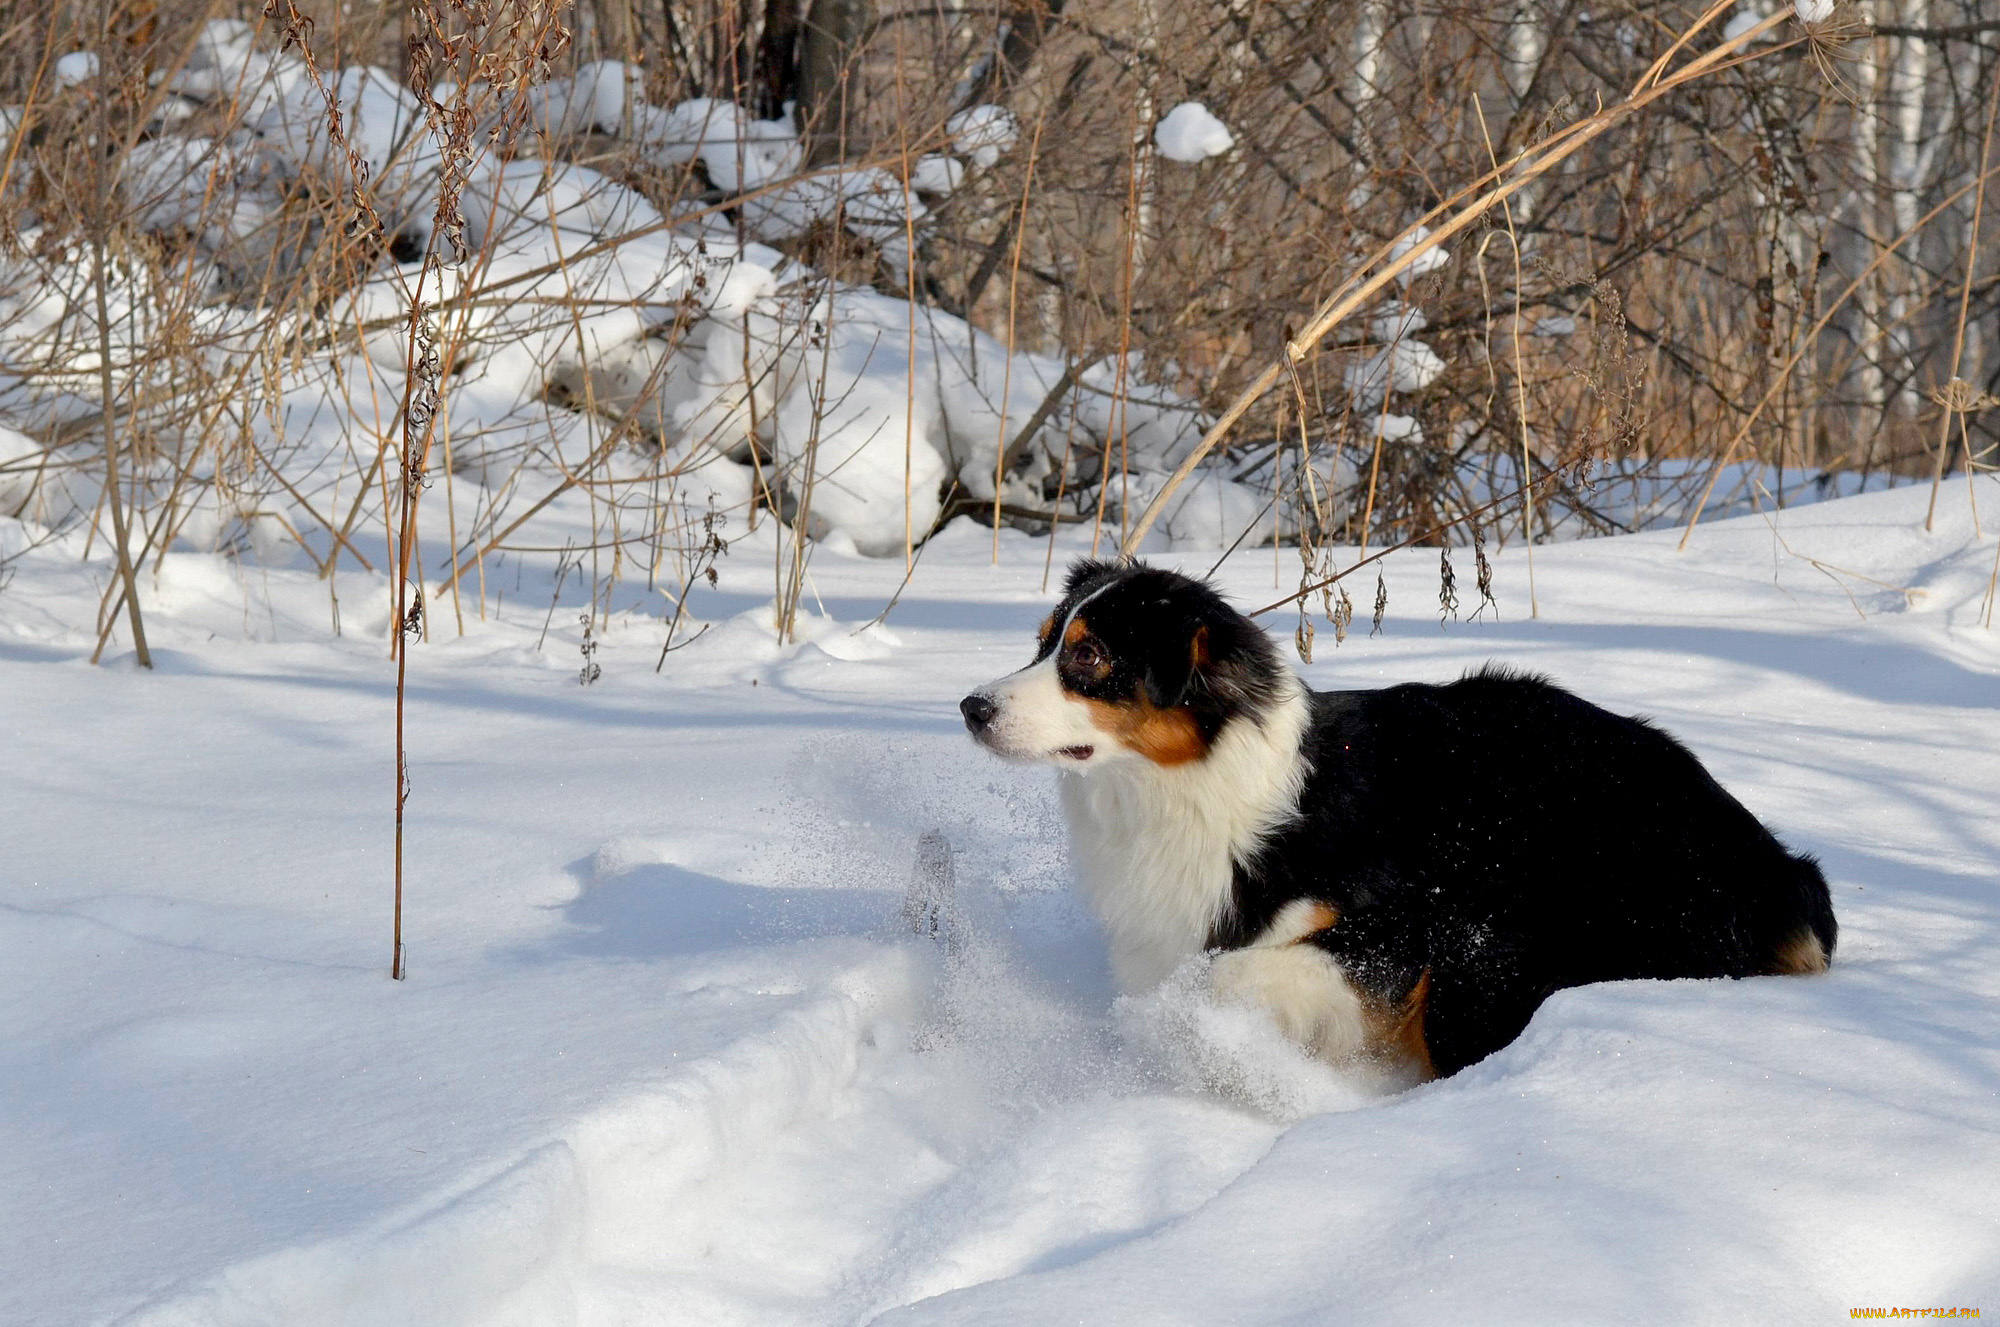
(1076, 752)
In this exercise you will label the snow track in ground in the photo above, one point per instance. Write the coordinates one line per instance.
(900, 1135)
(579, 1215)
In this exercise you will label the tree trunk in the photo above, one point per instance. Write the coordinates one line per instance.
(1020, 37)
(829, 92)
(1908, 82)
(1868, 216)
(778, 57)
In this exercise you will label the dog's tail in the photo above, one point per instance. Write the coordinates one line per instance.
(1809, 938)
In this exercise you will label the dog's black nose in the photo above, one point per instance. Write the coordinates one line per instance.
(978, 711)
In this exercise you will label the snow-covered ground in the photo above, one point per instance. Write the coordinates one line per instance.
(665, 1054)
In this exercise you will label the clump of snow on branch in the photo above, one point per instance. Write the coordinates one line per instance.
(1190, 133)
(1430, 260)
(1746, 17)
(76, 67)
(983, 133)
(1400, 364)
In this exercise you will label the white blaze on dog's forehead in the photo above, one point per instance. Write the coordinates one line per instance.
(1070, 616)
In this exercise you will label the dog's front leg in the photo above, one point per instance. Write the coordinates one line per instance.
(1298, 984)
(1304, 991)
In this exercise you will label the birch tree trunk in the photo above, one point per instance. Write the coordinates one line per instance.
(1526, 44)
(1867, 211)
(1908, 79)
(1367, 72)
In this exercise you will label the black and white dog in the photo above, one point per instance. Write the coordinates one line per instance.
(1398, 876)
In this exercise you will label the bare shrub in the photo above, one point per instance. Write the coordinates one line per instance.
(858, 268)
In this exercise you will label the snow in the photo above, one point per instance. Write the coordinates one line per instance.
(1190, 133)
(20, 457)
(1813, 11)
(384, 131)
(528, 198)
(1746, 17)
(226, 64)
(1398, 428)
(983, 133)
(871, 202)
(76, 67)
(579, 304)
(665, 1053)
(1430, 260)
(1396, 321)
(1404, 366)
(859, 439)
(936, 175)
(603, 95)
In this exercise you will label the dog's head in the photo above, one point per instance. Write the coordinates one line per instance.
(1136, 663)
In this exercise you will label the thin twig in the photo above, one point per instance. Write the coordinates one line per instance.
(1964, 303)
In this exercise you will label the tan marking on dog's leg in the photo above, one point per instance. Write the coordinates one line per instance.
(1801, 956)
(1299, 920)
(1398, 1033)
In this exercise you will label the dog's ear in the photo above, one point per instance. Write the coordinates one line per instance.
(1178, 668)
(1088, 571)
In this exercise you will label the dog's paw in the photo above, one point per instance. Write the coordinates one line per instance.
(1230, 1048)
(1303, 991)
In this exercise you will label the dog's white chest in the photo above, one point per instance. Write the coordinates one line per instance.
(1156, 847)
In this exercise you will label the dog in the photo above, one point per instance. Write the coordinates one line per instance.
(1399, 877)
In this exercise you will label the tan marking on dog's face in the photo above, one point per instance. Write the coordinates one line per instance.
(1048, 625)
(1800, 956)
(1164, 736)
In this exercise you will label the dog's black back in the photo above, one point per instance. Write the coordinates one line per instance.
(1511, 840)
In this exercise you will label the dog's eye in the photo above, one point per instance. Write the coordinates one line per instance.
(1087, 656)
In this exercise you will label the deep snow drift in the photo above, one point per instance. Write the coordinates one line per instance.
(667, 1054)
